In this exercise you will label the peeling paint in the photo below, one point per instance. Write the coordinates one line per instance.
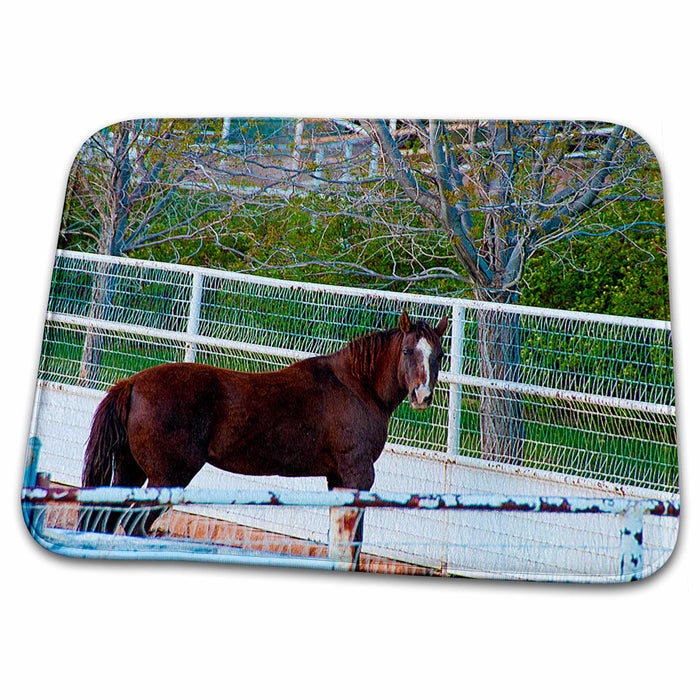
(345, 497)
(347, 510)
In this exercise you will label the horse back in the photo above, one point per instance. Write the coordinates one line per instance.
(295, 422)
(298, 421)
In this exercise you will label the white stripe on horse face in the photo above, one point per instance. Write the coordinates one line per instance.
(423, 391)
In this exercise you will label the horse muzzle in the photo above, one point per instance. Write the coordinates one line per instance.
(421, 397)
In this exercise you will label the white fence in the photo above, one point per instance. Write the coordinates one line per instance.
(49, 511)
(587, 401)
(590, 397)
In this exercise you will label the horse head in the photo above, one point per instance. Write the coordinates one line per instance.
(419, 361)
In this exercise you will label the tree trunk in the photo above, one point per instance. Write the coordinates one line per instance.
(100, 299)
(114, 220)
(103, 285)
(500, 411)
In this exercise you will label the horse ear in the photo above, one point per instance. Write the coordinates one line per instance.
(442, 326)
(405, 322)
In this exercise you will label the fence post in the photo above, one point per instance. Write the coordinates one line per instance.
(455, 398)
(30, 480)
(298, 143)
(374, 159)
(345, 537)
(193, 318)
(631, 542)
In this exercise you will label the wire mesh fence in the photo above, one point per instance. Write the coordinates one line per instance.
(570, 393)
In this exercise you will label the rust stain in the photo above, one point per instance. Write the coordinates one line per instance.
(511, 505)
(672, 510)
(145, 497)
(563, 507)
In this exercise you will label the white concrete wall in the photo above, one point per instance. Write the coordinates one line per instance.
(511, 545)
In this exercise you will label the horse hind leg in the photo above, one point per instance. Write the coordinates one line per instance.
(115, 519)
(136, 520)
(163, 472)
(162, 468)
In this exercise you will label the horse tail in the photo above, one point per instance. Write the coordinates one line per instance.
(108, 439)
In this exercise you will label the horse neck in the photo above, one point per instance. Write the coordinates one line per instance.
(386, 382)
(376, 371)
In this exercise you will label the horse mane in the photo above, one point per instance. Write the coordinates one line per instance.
(366, 350)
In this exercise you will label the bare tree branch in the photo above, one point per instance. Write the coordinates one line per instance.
(475, 198)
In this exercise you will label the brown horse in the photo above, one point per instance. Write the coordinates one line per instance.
(323, 416)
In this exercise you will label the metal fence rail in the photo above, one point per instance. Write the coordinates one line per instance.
(628, 555)
(568, 393)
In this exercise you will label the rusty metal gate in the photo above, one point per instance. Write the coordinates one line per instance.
(188, 531)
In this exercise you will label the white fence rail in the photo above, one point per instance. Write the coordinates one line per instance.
(626, 554)
(583, 397)
(584, 406)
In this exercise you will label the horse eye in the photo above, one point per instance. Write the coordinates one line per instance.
(405, 351)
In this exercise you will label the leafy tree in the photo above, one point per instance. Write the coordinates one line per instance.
(478, 208)
(136, 184)
(456, 208)
(619, 268)
(125, 192)
(500, 192)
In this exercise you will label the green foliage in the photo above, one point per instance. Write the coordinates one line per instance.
(615, 266)
(623, 272)
(612, 260)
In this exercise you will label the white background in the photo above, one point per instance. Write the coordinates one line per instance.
(113, 630)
